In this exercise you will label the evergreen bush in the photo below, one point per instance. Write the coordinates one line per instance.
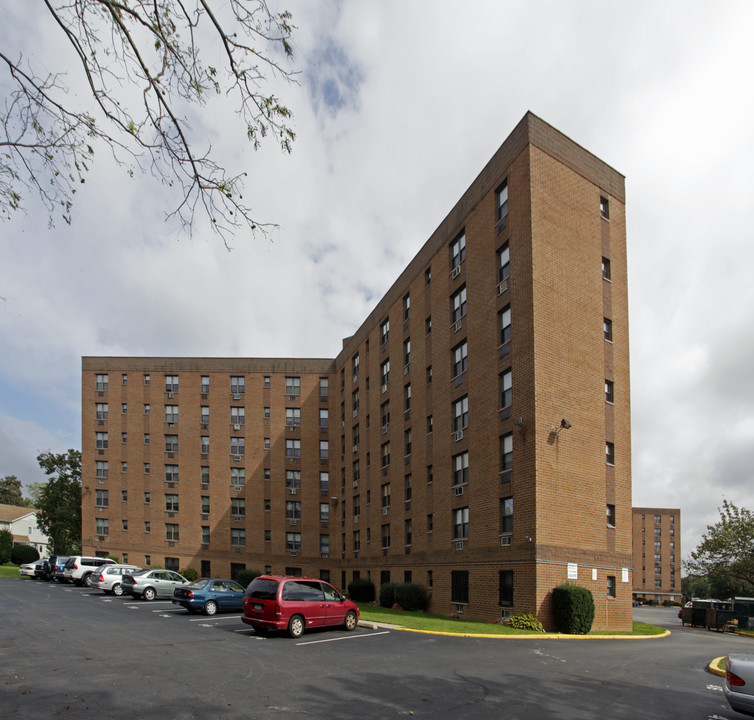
(411, 596)
(22, 554)
(245, 577)
(387, 595)
(190, 574)
(361, 590)
(6, 546)
(573, 609)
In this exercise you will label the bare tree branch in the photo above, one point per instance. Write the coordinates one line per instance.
(143, 68)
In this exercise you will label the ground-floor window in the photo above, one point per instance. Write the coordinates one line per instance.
(459, 586)
(505, 589)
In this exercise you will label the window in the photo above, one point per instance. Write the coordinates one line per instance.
(123, 408)
(103, 526)
(238, 476)
(124, 379)
(101, 411)
(171, 413)
(503, 263)
(459, 586)
(324, 483)
(407, 441)
(266, 382)
(460, 469)
(205, 535)
(324, 449)
(171, 443)
(506, 452)
(406, 307)
(428, 276)
(205, 475)
(461, 413)
(146, 408)
(506, 516)
(237, 384)
(147, 498)
(101, 382)
(430, 474)
(604, 207)
(607, 327)
(460, 359)
(171, 532)
(407, 396)
(293, 417)
(611, 586)
(458, 251)
(385, 372)
(237, 446)
(324, 544)
(385, 493)
(101, 499)
(238, 537)
(384, 331)
(324, 387)
(124, 437)
(147, 468)
(101, 440)
(385, 537)
(355, 400)
(505, 585)
(124, 466)
(458, 304)
(292, 510)
(428, 325)
(205, 445)
(430, 424)
(293, 385)
(429, 374)
(147, 529)
(501, 203)
(324, 512)
(610, 453)
(171, 383)
(292, 542)
(407, 531)
(237, 416)
(204, 384)
(430, 523)
(506, 388)
(609, 391)
(461, 524)
(504, 321)
(205, 505)
(356, 435)
(124, 495)
(292, 479)
(324, 418)
(171, 473)
(606, 268)
(385, 454)
(406, 352)
(610, 511)
(147, 378)
(171, 503)
(357, 505)
(385, 413)
(356, 541)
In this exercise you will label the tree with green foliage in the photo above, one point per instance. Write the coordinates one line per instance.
(59, 508)
(6, 546)
(726, 554)
(136, 70)
(10, 491)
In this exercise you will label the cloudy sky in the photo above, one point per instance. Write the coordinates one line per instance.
(399, 105)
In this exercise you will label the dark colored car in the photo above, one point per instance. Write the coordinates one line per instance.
(210, 595)
(283, 602)
(45, 570)
(59, 568)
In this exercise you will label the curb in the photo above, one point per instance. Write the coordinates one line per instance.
(713, 669)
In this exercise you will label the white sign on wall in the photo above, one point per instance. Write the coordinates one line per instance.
(573, 571)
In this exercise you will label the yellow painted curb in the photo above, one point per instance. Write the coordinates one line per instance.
(543, 636)
(712, 667)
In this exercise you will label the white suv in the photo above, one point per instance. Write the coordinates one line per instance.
(79, 568)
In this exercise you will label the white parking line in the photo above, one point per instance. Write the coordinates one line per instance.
(215, 619)
(350, 637)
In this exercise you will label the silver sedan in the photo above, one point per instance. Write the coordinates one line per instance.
(739, 682)
(151, 584)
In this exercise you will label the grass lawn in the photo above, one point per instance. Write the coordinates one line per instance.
(441, 623)
(9, 571)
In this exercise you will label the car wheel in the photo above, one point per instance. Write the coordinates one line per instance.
(149, 594)
(86, 581)
(350, 621)
(210, 607)
(296, 626)
(117, 590)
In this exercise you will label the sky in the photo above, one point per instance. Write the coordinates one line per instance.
(397, 107)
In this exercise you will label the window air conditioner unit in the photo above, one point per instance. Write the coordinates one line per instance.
(292, 398)
(171, 395)
(293, 522)
(384, 429)
(238, 488)
(355, 379)
(355, 448)
(458, 435)
(355, 519)
(236, 396)
(205, 395)
(237, 458)
(356, 483)
(293, 491)
(237, 518)
(355, 413)
(505, 540)
(237, 548)
(384, 510)
(459, 546)
(293, 553)
(502, 287)
(455, 272)
(459, 490)
(236, 427)
(171, 424)
(457, 325)
(384, 388)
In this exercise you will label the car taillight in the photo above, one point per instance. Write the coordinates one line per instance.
(100, 578)
(733, 679)
(75, 567)
(278, 610)
(189, 594)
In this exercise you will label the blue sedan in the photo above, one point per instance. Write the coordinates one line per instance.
(210, 595)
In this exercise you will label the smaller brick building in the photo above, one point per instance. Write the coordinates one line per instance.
(657, 554)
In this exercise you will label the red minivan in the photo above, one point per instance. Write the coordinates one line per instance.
(285, 602)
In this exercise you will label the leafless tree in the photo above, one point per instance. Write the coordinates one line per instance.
(142, 62)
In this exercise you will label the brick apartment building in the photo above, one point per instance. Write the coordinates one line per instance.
(473, 435)
(657, 554)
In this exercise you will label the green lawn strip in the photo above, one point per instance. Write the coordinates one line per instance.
(441, 623)
(9, 571)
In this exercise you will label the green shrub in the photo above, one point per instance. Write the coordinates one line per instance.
(245, 577)
(526, 621)
(23, 554)
(573, 609)
(411, 596)
(190, 574)
(361, 590)
(387, 595)
(6, 546)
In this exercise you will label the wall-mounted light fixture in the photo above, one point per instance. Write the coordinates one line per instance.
(564, 425)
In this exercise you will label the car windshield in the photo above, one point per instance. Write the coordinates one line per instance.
(262, 589)
(198, 584)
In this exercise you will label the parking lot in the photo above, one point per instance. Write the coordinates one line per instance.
(73, 652)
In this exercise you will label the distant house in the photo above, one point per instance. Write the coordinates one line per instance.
(22, 524)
